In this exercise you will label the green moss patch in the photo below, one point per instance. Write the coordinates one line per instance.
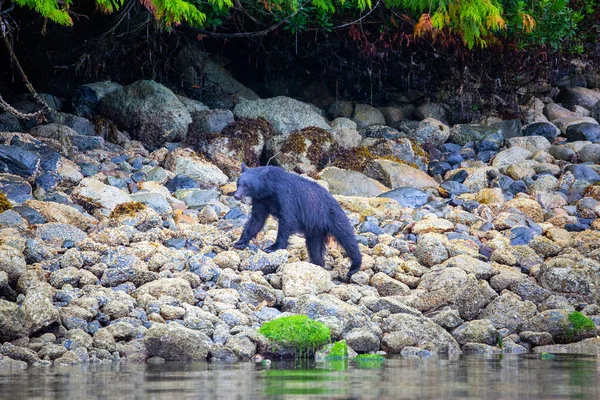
(5, 204)
(339, 351)
(298, 332)
(128, 209)
(369, 358)
(578, 323)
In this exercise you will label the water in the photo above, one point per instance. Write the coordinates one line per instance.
(467, 377)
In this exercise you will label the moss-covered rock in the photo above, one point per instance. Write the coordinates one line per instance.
(298, 333)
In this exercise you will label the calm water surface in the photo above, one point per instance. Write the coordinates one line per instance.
(467, 377)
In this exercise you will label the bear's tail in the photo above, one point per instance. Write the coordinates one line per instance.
(343, 232)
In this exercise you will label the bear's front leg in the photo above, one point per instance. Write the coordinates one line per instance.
(256, 222)
(283, 236)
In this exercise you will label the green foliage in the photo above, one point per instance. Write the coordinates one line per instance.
(50, 9)
(299, 332)
(552, 25)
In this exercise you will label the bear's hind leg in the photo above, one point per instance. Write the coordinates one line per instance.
(316, 249)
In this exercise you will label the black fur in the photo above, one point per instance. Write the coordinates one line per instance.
(301, 206)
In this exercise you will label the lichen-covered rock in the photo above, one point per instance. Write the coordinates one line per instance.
(104, 196)
(303, 278)
(432, 249)
(395, 175)
(402, 330)
(451, 287)
(508, 311)
(431, 133)
(38, 307)
(175, 287)
(12, 262)
(12, 321)
(564, 326)
(576, 278)
(476, 331)
(177, 343)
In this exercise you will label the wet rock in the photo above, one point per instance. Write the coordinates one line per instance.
(16, 161)
(544, 129)
(536, 338)
(587, 346)
(403, 330)
(149, 110)
(242, 347)
(583, 131)
(15, 188)
(88, 96)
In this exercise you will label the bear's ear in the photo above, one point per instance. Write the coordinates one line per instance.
(244, 168)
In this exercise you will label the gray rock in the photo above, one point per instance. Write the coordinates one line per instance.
(587, 346)
(531, 143)
(38, 307)
(339, 316)
(265, 262)
(351, 183)
(177, 343)
(462, 134)
(242, 347)
(430, 110)
(508, 311)
(448, 319)
(287, 115)
(396, 175)
(365, 115)
(536, 338)
(156, 201)
(577, 279)
(9, 123)
(407, 196)
(387, 286)
(590, 153)
(196, 198)
(579, 96)
(363, 340)
(149, 110)
(431, 133)
(303, 278)
(12, 262)
(513, 155)
(57, 233)
(12, 321)
(451, 287)
(403, 330)
(341, 108)
(107, 196)
(431, 249)
(584, 131)
(185, 162)
(476, 331)
(208, 122)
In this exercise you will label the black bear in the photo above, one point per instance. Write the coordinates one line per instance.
(301, 206)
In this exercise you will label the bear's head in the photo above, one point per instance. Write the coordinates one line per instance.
(251, 183)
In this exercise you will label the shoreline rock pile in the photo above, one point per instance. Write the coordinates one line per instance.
(118, 245)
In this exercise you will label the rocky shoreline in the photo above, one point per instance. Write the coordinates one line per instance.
(116, 236)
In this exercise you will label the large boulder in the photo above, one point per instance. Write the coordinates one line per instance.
(38, 307)
(564, 326)
(508, 311)
(174, 342)
(286, 114)
(577, 278)
(150, 111)
(579, 96)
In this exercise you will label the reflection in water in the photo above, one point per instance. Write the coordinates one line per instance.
(473, 377)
